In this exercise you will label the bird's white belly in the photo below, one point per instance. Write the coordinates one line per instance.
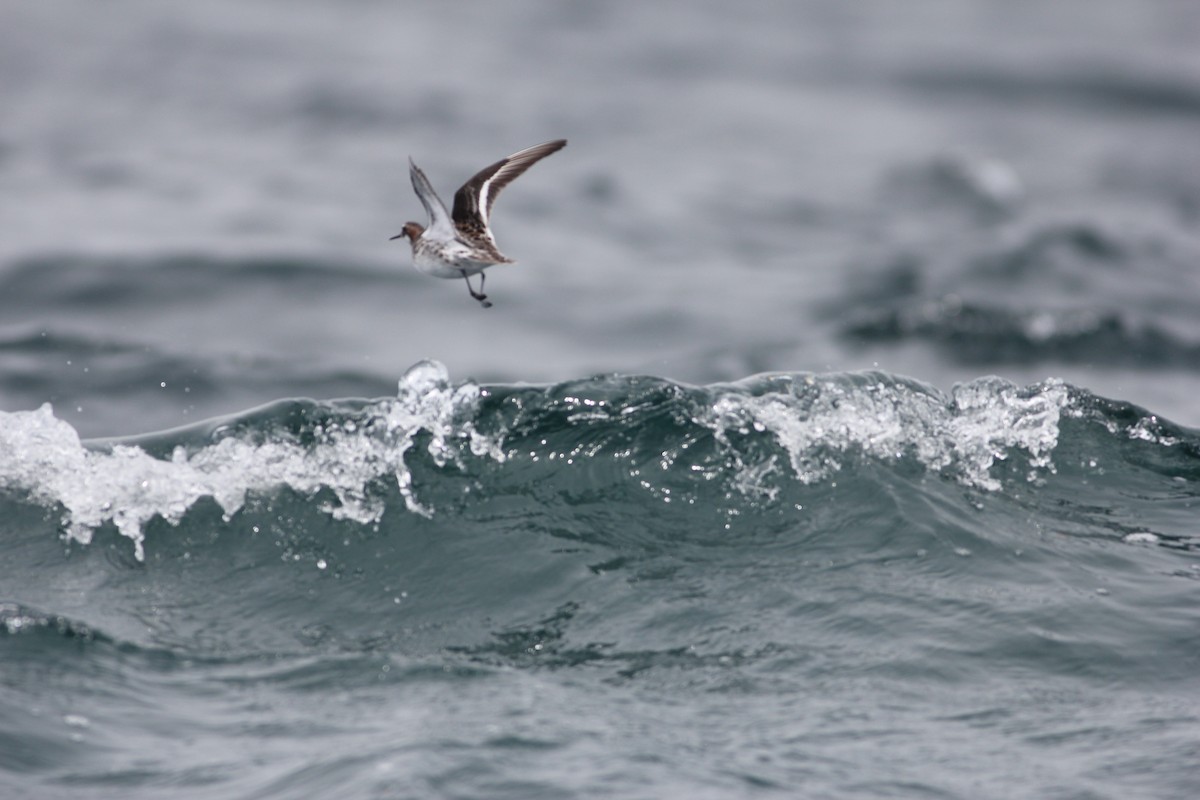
(447, 262)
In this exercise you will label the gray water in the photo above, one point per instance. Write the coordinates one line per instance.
(743, 190)
(521, 572)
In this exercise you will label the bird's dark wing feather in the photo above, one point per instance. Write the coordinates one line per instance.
(473, 202)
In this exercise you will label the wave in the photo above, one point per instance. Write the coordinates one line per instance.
(974, 304)
(977, 333)
(734, 450)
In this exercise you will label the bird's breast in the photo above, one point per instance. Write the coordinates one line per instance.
(445, 259)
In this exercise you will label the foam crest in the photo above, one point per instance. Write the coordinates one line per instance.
(346, 454)
(821, 424)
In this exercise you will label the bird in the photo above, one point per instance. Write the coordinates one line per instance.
(460, 244)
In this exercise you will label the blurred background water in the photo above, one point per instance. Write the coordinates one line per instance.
(194, 220)
(203, 196)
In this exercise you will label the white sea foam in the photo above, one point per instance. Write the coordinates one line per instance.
(125, 485)
(819, 423)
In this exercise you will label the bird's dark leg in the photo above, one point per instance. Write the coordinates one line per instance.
(480, 296)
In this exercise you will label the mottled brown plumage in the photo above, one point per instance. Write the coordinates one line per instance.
(461, 244)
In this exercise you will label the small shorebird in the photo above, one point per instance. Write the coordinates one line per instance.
(460, 244)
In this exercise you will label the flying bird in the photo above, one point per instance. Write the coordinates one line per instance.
(461, 244)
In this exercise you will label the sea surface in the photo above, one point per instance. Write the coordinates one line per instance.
(834, 436)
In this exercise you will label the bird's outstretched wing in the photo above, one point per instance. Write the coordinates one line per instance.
(473, 202)
(439, 219)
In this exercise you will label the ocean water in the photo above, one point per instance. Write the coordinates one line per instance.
(834, 436)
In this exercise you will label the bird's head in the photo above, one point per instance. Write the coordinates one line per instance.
(411, 229)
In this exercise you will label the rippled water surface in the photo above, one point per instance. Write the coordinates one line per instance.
(833, 436)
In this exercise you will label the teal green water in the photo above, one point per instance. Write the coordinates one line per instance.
(838, 585)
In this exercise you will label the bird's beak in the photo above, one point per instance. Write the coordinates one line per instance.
(397, 236)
